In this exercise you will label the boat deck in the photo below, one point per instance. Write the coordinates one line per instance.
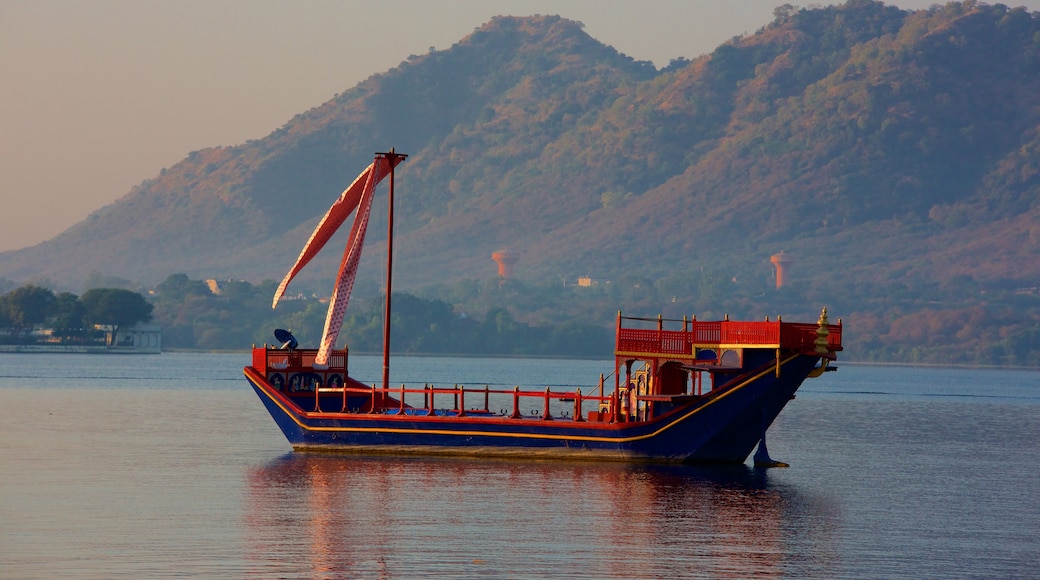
(656, 371)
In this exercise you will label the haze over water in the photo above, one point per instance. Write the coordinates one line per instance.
(159, 466)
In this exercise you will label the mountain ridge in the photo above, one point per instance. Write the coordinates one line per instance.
(880, 143)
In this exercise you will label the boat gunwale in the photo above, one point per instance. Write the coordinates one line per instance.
(616, 432)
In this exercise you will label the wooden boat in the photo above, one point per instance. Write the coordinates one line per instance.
(680, 390)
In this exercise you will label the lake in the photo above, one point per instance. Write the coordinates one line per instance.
(131, 466)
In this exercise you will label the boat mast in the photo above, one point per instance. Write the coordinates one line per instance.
(393, 158)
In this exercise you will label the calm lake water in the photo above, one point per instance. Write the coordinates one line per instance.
(168, 466)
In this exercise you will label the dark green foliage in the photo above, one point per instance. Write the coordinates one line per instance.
(193, 317)
(24, 307)
(114, 308)
(70, 318)
(177, 287)
(435, 327)
(241, 314)
(67, 316)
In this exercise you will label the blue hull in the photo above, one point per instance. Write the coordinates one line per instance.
(719, 427)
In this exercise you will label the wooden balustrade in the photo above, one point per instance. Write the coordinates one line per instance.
(381, 400)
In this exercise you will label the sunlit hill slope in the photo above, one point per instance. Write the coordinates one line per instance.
(874, 144)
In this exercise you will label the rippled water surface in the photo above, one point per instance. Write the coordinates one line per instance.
(168, 466)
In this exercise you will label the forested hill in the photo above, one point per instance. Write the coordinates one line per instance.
(871, 143)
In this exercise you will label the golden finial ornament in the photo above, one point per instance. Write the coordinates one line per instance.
(822, 334)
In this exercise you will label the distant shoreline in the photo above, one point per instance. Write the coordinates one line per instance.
(839, 363)
(73, 349)
(937, 365)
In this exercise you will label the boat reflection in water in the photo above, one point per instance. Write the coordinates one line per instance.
(316, 515)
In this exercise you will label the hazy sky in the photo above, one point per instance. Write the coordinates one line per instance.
(99, 95)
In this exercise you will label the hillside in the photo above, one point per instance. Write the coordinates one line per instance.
(878, 146)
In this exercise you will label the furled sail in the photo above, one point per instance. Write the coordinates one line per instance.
(358, 196)
(332, 220)
(347, 273)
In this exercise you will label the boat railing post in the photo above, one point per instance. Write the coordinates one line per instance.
(486, 398)
(546, 415)
(372, 406)
(628, 387)
(617, 332)
(516, 402)
(660, 333)
(617, 376)
(577, 407)
(432, 392)
(615, 402)
(461, 397)
(401, 411)
(426, 395)
(317, 399)
(456, 396)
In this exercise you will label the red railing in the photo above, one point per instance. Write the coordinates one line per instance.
(516, 402)
(270, 361)
(803, 336)
(715, 333)
(750, 333)
(545, 405)
(296, 360)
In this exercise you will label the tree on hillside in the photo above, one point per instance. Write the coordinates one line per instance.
(177, 286)
(26, 306)
(115, 307)
(99, 280)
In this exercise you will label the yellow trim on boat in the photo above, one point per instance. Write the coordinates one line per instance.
(663, 428)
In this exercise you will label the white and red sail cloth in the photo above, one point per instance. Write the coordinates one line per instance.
(358, 196)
